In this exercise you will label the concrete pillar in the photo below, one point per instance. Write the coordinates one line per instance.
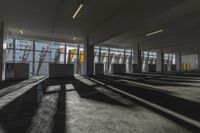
(138, 57)
(78, 63)
(99, 60)
(1, 49)
(108, 62)
(33, 63)
(14, 49)
(160, 60)
(124, 60)
(89, 58)
(178, 61)
(198, 58)
(65, 54)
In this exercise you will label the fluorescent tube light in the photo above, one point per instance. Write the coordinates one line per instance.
(74, 38)
(78, 10)
(155, 32)
(21, 31)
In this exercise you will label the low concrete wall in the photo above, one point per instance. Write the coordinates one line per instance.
(99, 69)
(151, 68)
(173, 67)
(118, 68)
(61, 70)
(21, 71)
(17, 71)
(135, 68)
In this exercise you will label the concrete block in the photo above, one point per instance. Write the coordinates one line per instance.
(173, 67)
(61, 70)
(151, 68)
(99, 69)
(118, 68)
(17, 71)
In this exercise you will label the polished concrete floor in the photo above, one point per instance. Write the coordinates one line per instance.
(80, 105)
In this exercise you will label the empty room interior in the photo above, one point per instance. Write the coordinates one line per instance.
(99, 66)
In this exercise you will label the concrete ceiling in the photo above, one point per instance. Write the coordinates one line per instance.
(115, 23)
(39, 18)
(180, 24)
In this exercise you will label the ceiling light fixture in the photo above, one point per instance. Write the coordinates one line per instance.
(155, 32)
(78, 10)
(21, 31)
(74, 38)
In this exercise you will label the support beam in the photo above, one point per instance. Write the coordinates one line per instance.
(1, 49)
(160, 60)
(89, 58)
(178, 61)
(138, 57)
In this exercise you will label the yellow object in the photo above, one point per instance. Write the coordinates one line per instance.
(189, 66)
(71, 55)
(81, 57)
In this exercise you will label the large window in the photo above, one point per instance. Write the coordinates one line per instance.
(148, 58)
(40, 53)
(23, 52)
(109, 56)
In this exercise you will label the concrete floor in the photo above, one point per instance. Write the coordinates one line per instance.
(80, 105)
(92, 116)
(180, 86)
(88, 107)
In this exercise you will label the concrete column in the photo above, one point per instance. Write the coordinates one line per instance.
(138, 57)
(198, 61)
(78, 63)
(160, 60)
(14, 50)
(124, 61)
(108, 60)
(89, 58)
(99, 60)
(33, 66)
(65, 54)
(178, 61)
(1, 49)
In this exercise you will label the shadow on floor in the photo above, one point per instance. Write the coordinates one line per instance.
(93, 92)
(182, 106)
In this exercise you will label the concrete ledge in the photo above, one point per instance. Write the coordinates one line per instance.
(118, 68)
(99, 69)
(61, 70)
